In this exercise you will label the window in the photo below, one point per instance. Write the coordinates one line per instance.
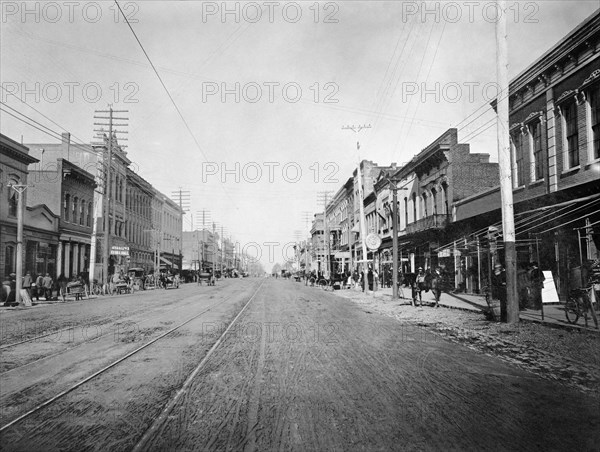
(13, 202)
(89, 215)
(571, 134)
(405, 211)
(424, 204)
(434, 201)
(82, 212)
(537, 162)
(594, 96)
(414, 203)
(445, 191)
(518, 142)
(75, 207)
(67, 207)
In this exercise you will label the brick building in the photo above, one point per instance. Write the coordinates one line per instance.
(555, 135)
(68, 192)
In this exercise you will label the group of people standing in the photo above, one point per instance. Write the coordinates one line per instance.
(40, 286)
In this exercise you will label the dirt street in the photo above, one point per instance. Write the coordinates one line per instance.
(302, 369)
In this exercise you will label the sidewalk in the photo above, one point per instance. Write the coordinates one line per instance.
(554, 314)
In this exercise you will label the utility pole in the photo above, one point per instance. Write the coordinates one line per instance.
(214, 251)
(324, 198)
(394, 188)
(361, 203)
(510, 312)
(20, 189)
(107, 177)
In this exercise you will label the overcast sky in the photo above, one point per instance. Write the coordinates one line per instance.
(294, 75)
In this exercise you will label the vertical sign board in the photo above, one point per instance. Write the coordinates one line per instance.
(549, 293)
(25, 298)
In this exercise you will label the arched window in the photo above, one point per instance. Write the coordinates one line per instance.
(405, 211)
(13, 202)
(424, 204)
(434, 201)
(414, 203)
(89, 215)
(67, 207)
(445, 196)
(75, 207)
(82, 212)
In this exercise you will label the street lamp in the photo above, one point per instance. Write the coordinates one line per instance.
(394, 188)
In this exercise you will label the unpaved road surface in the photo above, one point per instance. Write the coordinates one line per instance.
(302, 369)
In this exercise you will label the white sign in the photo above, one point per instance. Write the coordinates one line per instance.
(119, 251)
(549, 294)
(373, 241)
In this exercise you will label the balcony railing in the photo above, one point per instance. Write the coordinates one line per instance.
(430, 222)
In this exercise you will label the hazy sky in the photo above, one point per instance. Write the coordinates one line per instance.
(265, 92)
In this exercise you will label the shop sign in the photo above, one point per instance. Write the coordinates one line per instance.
(119, 251)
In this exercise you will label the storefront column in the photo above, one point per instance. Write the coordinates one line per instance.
(59, 259)
(82, 254)
(75, 259)
(67, 260)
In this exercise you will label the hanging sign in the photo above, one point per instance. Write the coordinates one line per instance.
(373, 241)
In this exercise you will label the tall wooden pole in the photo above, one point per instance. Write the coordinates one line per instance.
(510, 313)
(395, 241)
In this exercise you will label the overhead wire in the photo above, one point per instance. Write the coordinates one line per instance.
(179, 112)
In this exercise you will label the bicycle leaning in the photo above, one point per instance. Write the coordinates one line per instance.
(578, 304)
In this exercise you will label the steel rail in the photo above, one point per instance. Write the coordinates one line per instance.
(114, 363)
(159, 422)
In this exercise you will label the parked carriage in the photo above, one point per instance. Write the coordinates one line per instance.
(137, 277)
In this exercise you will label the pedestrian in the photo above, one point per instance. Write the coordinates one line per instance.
(437, 282)
(420, 286)
(62, 284)
(47, 284)
(375, 280)
(536, 278)
(27, 282)
(39, 289)
(499, 289)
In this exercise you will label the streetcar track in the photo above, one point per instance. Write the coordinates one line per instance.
(160, 422)
(53, 332)
(123, 358)
(95, 338)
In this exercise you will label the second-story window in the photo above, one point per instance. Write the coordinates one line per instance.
(571, 134)
(67, 207)
(89, 215)
(82, 212)
(75, 206)
(594, 99)
(537, 163)
(518, 142)
(13, 202)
